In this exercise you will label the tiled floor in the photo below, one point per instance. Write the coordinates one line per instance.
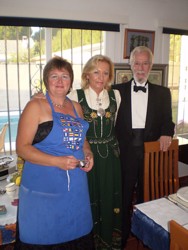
(7, 247)
(134, 244)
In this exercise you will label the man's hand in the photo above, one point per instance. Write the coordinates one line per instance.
(165, 142)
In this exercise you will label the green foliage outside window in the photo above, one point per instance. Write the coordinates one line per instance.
(62, 39)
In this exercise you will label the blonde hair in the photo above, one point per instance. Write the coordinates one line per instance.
(91, 65)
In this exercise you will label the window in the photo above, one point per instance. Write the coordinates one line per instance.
(178, 82)
(23, 54)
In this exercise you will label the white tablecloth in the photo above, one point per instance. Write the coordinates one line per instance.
(162, 211)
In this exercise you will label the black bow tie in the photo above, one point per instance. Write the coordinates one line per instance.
(137, 88)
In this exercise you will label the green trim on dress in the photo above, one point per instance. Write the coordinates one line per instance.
(105, 178)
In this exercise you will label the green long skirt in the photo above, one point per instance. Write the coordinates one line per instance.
(105, 194)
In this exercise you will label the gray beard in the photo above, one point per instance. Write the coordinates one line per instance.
(141, 80)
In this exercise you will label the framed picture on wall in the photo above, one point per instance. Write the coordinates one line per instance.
(134, 38)
(158, 74)
(122, 73)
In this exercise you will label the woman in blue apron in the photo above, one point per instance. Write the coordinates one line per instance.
(54, 206)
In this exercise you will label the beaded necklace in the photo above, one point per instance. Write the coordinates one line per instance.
(100, 112)
(60, 106)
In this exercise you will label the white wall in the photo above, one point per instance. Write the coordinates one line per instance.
(133, 14)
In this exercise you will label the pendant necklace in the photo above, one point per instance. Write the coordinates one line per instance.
(100, 111)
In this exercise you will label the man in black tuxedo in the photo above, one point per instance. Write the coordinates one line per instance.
(145, 114)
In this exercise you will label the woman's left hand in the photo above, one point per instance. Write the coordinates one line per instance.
(89, 162)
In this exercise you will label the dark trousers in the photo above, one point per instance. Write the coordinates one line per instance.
(132, 160)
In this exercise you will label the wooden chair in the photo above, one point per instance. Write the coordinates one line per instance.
(160, 170)
(2, 137)
(178, 236)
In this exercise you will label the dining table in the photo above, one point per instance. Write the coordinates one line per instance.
(9, 218)
(150, 221)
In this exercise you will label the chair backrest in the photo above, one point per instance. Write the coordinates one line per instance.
(160, 170)
(178, 236)
(2, 137)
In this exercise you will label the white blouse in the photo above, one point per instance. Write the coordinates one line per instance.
(91, 98)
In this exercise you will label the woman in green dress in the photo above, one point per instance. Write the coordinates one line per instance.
(100, 105)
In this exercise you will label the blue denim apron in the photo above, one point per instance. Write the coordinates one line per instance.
(54, 204)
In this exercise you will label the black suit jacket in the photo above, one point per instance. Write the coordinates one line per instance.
(158, 117)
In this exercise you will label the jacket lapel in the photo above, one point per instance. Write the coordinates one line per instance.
(128, 106)
(149, 113)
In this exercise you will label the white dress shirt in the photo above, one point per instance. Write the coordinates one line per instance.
(139, 102)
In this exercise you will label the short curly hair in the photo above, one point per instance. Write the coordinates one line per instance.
(57, 62)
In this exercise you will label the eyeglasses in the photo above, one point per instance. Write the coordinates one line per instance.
(144, 64)
(56, 78)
